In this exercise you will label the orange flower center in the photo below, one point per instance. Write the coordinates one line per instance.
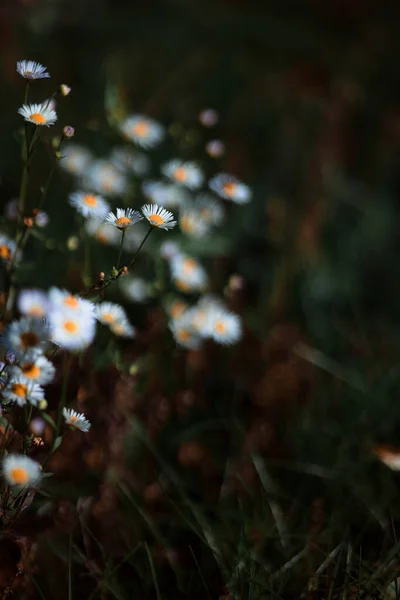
(141, 128)
(108, 317)
(31, 370)
(183, 335)
(118, 329)
(123, 222)
(36, 311)
(70, 326)
(71, 302)
(220, 327)
(177, 309)
(229, 188)
(101, 237)
(19, 475)
(156, 220)
(180, 174)
(182, 285)
(38, 118)
(188, 265)
(90, 200)
(73, 419)
(28, 339)
(19, 389)
(5, 252)
(186, 223)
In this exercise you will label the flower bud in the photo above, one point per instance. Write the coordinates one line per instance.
(65, 89)
(68, 131)
(42, 404)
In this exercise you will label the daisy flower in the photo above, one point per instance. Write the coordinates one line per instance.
(123, 329)
(72, 331)
(183, 173)
(29, 69)
(64, 301)
(21, 391)
(105, 178)
(7, 248)
(89, 205)
(230, 188)
(38, 114)
(75, 159)
(128, 160)
(184, 333)
(27, 338)
(41, 219)
(33, 303)
(143, 131)
(19, 469)
(136, 289)
(40, 370)
(109, 313)
(209, 117)
(188, 274)
(176, 309)
(210, 210)
(165, 194)
(76, 420)
(215, 148)
(103, 232)
(125, 217)
(158, 217)
(224, 327)
(191, 223)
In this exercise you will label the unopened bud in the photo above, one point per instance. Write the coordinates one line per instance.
(102, 276)
(58, 155)
(55, 142)
(69, 131)
(28, 222)
(42, 404)
(73, 242)
(65, 89)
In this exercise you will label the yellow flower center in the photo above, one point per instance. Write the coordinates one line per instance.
(101, 237)
(90, 200)
(19, 475)
(123, 222)
(140, 129)
(229, 188)
(71, 302)
(73, 419)
(5, 252)
(28, 339)
(177, 309)
(19, 389)
(220, 327)
(31, 371)
(118, 329)
(38, 118)
(188, 265)
(36, 311)
(156, 220)
(182, 285)
(186, 223)
(183, 335)
(108, 317)
(70, 326)
(180, 174)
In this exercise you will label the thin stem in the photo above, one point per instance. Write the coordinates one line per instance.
(63, 400)
(50, 177)
(140, 247)
(120, 247)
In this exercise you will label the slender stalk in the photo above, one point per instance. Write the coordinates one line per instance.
(120, 247)
(140, 247)
(50, 177)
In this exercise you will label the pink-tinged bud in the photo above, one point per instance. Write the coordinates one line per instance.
(69, 131)
(215, 148)
(65, 89)
(209, 117)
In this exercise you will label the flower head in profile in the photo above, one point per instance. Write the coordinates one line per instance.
(89, 205)
(38, 114)
(125, 217)
(33, 303)
(224, 327)
(158, 217)
(27, 338)
(29, 69)
(142, 130)
(21, 470)
(123, 329)
(230, 188)
(184, 173)
(19, 390)
(76, 420)
(109, 313)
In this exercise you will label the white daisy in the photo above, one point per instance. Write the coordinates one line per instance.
(210, 209)
(143, 131)
(184, 173)
(188, 274)
(21, 470)
(230, 188)
(128, 160)
(75, 159)
(109, 313)
(136, 289)
(89, 205)
(29, 69)
(192, 224)
(38, 114)
(176, 308)
(157, 216)
(76, 420)
(62, 300)
(40, 370)
(125, 217)
(123, 329)
(27, 338)
(105, 178)
(166, 194)
(215, 148)
(72, 331)
(7, 248)
(224, 327)
(103, 232)
(33, 303)
(209, 117)
(21, 391)
(184, 333)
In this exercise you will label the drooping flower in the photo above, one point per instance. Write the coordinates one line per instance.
(76, 420)
(184, 173)
(89, 205)
(158, 217)
(29, 69)
(21, 470)
(38, 114)
(125, 217)
(143, 131)
(230, 188)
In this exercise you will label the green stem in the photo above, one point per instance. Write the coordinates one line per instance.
(120, 248)
(140, 247)
(50, 177)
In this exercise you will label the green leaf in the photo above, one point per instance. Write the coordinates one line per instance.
(49, 420)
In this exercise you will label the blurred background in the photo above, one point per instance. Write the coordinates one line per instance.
(269, 440)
